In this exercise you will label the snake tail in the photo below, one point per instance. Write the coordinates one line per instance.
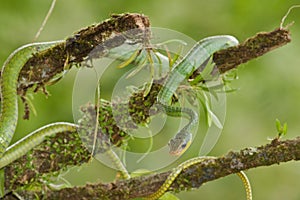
(246, 183)
(173, 175)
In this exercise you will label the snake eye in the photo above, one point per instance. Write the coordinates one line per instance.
(183, 145)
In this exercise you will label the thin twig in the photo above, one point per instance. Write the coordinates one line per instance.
(45, 20)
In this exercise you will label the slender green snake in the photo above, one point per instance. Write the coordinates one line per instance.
(201, 51)
(9, 98)
(194, 58)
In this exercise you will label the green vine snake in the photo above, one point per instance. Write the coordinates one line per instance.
(201, 51)
(9, 98)
(194, 59)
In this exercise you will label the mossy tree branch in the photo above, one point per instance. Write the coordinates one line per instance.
(211, 169)
(42, 67)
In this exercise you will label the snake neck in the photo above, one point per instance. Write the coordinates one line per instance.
(175, 111)
(182, 140)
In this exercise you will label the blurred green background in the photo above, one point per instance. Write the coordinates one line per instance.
(268, 86)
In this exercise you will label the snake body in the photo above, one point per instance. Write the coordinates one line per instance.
(194, 59)
(9, 99)
(201, 51)
(176, 171)
(33, 139)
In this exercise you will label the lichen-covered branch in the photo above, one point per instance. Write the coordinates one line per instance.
(48, 64)
(252, 48)
(193, 177)
(52, 156)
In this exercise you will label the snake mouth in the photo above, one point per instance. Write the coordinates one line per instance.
(175, 153)
(176, 150)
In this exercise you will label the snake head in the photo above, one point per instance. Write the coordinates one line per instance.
(180, 143)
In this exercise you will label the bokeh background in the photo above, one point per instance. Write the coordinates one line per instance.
(268, 87)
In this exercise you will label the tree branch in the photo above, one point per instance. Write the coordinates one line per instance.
(46, 65)
(193, 177)
(250, 49)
